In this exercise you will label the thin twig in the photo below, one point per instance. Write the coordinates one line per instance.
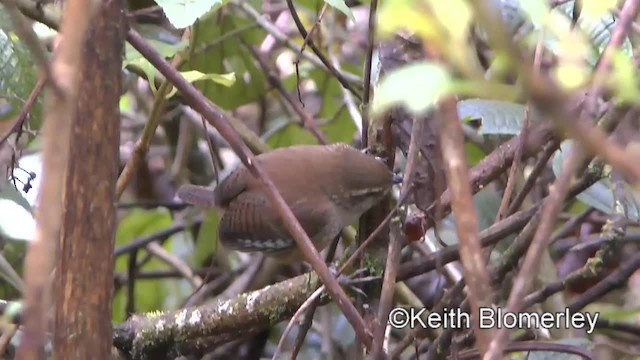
(540, 165)
(160, 235)
(308, 319)
(310, 34)
(176, 263)
(306, 120)
(388, 286)
(307, 303)
(284, 39)
(367, 71)
(319, 54)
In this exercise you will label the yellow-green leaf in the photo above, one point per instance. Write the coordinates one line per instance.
(417, 86)
(194, 75)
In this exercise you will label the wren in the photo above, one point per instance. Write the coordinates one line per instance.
(327, 187)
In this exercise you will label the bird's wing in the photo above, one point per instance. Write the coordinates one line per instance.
(232, 186)
(250, 224)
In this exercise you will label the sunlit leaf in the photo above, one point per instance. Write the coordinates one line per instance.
(454, 15)
(624, 78)
(417, 86)
(193, 76)
(537, 10)
(402, 15)
(571, 76)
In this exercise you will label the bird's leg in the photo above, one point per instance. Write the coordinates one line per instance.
(331, 252)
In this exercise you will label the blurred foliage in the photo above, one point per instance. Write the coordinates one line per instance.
(18, 74)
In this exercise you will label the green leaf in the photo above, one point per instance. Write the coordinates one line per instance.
(194, 75)
(341, 127)
(342, 6)
(183, 13)
(134, 58)
(624, 78)
(207, 242)
(417, 86)
(149, 295)
(217, 49)
(474, 153)
(600, 194)
(498, 117)
(284, 133)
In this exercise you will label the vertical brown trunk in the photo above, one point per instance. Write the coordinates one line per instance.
(84, 274)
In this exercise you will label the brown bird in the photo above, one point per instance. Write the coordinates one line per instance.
(327, 187)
